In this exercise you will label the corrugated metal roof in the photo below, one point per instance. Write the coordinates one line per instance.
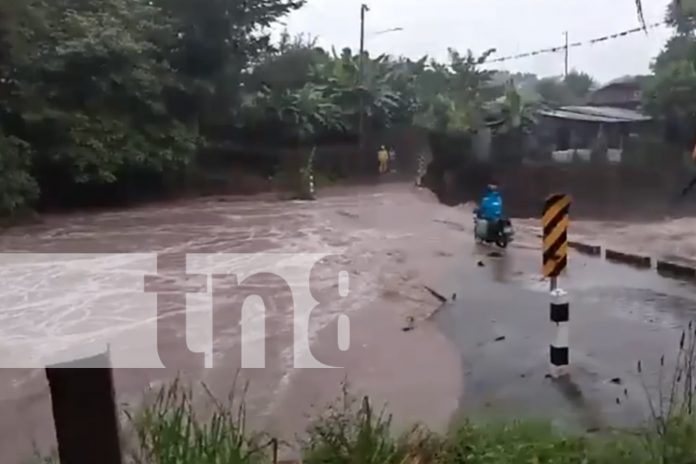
(596, 114)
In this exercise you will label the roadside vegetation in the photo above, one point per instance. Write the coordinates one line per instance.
(116, 98)
(177, 427)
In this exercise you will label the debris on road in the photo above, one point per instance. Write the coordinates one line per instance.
(348, 214)
(410, 324)
(480, 264)
(500, 339)
(436, 294)
(454, 225)
(616, 381)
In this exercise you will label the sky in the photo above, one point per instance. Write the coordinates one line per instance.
(509, 26)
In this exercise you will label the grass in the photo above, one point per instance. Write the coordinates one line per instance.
(170, 430)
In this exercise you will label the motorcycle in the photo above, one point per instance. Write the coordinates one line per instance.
(500, 232)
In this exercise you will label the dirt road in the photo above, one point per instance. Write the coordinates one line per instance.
(393, 240)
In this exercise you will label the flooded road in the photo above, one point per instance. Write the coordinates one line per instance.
(486, 353)
(618, 316)
(75, 283)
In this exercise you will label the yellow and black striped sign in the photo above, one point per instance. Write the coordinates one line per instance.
(555, 222)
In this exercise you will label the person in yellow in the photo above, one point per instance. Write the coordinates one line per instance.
(383, 158)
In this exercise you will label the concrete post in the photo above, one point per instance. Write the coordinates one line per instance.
(84, 411)
(559, 349)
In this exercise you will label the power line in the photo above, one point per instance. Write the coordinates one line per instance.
(575, 44)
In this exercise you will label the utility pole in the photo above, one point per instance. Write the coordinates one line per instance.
(361, 79)
(566, 54)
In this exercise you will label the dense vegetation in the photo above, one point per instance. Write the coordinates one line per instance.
(671, 91)
(100, 97)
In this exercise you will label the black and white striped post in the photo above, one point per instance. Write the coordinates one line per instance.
(560, 350)
(555, 260)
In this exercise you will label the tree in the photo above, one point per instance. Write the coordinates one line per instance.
(681, 14)
(452, 96)
(554, 92)
(571, 90)
(218, 41)
(18, 189)
(678, 48)
(670, 91)
(579, 84)
(92, 92)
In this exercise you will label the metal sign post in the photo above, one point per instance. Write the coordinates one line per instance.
(555, 260)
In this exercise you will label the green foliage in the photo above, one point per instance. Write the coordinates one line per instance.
(452, 96)
(668, 93)
(512, 442)
(672, 91)
(169, 431)
(678, 48)
(95, 99)
(105, 91)
(352, 432)
(579, 83)
(18, 189)
(573, 89)
(681, 14)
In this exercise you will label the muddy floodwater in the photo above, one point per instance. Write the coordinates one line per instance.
(75, 283)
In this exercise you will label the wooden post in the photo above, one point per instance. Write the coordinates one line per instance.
(84, 411)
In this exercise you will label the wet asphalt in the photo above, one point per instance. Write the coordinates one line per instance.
(619, 315)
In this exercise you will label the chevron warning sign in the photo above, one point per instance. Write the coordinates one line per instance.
(555, 222)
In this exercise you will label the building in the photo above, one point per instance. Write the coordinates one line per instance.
(625, 92)
(580, 132)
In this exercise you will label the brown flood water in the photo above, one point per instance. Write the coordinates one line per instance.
(392, 240)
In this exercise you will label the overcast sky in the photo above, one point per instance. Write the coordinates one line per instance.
(510, 26)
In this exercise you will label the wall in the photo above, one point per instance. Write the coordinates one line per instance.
(600, 191)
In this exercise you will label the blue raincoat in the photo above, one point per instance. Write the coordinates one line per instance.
(491, 208)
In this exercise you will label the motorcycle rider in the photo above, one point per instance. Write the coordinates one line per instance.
(491, 208)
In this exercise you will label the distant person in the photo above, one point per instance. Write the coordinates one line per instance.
(392, 159)
(383, 158)
(422, 170)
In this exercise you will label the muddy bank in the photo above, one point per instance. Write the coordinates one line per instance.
(391, 239)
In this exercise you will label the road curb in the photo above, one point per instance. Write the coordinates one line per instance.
(592, 250)
(674, 269)
(628, 258)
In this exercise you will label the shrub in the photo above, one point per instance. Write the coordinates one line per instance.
(18, 189)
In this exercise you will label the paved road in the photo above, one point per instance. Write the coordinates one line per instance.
(619, 315)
